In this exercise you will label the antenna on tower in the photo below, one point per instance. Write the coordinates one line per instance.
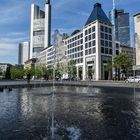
(114, 4)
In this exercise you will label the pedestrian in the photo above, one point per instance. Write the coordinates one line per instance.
(28, 78)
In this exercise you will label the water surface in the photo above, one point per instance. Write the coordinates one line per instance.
(80, 113)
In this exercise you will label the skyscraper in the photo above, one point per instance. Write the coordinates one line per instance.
(23, 54)
(40, 30)
(47, 39)
(120, 20)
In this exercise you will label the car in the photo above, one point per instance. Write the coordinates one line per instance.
(134, 79)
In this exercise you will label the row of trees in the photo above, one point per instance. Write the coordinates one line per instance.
(45, 72)
(122, 65)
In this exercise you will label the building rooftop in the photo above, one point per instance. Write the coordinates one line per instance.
(137, 14)
(98, 14)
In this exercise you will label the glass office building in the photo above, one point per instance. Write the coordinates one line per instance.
(122, 26)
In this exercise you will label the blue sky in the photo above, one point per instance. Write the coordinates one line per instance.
(67, 15)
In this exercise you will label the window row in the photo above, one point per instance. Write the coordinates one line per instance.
(80, 48)
(90, 44)
(90, 30)
(36, 33)
(75, 43)
(106, 50)
(106, 43)
(90, 51)
(80, 54)
(106, 36)
(51, 57)
(105, 29)
(80, 60)
(75, 38)
(90, 37)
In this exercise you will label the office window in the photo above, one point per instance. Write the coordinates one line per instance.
(102, 35)
(117, 45)
(110, 37)
(93, 36)
(106, 43)
(81, 47)
(94, 50)
(86, 45)
(89, 44)
(102, 42)
(110, 44)
(86, 52)
(89, 51)
(110, 30)
(102, 49)
(106, 29)
(93, 29)
(110, 51)
(117, 52)
(86, 39)
(89, 30)
(102, 28)
(86, 32)
(89, 37)
(93, 43)
(106, 36)
(106, 50)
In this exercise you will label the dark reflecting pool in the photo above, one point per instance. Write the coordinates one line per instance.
(80, 113)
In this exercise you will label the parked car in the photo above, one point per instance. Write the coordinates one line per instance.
(135, 79)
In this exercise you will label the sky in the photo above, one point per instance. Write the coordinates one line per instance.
(67, 15)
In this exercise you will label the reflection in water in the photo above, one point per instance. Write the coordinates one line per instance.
(102, 113)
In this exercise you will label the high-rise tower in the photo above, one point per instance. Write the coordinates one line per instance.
(47, 38)
(120, 21)
(36, 30)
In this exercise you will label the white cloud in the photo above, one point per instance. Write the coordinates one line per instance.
(8, 49)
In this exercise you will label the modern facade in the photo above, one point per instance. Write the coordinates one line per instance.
(120, 21)
(57, 50)
(129, 51)
(23, 54)
(92, 48)
(40, 30)
(137, 37)
(30, 63)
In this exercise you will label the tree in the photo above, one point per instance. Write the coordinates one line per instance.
(30, 71)
(17, 73)
(49, 72)
(122, 62)
(38, 71)
(72, 68)
(58, 71)
(1, 72)
(8, 73)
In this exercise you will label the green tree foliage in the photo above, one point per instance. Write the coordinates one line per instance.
(58, 71)
(30, 71)
(72, 68)
(49, 72)
(17, 73)
(38, 72)
(123, 62)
